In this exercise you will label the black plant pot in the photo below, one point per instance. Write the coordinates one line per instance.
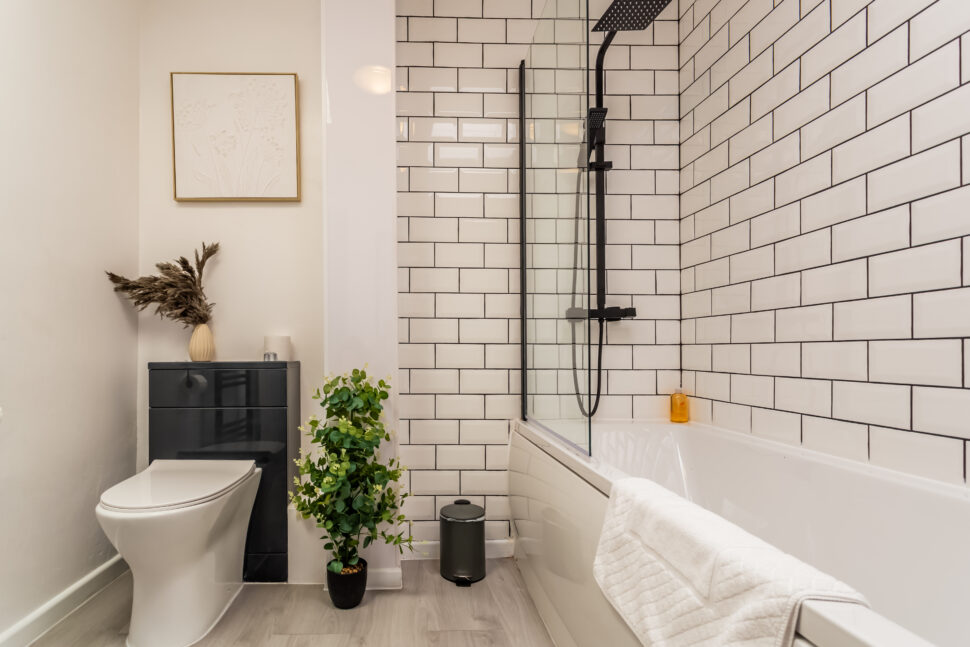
(347, 590)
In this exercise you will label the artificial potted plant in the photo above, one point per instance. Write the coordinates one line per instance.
(177, 293)
(346, 486)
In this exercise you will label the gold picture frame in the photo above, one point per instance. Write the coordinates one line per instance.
(235, 138)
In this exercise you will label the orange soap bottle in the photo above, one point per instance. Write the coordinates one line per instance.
(679, 410)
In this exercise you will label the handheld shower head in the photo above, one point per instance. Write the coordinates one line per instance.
(595, 119)
(630, 15)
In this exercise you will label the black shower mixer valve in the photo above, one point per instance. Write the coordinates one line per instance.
(611, 313)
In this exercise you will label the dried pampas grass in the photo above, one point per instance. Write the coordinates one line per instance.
(176, 291)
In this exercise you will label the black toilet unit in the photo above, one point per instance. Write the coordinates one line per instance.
(234, 410)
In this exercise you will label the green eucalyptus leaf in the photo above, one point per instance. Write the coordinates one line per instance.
(343, 485)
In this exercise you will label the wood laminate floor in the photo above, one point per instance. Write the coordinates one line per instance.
(428, 611)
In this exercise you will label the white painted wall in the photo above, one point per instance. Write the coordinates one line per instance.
(267, 278)
(68, 211)
(95, 118)
(361, 228)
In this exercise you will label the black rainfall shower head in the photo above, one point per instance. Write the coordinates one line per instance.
(630, 15)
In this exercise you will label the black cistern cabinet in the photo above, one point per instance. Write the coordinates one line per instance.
(234, 410)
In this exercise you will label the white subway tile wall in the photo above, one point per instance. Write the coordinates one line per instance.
(824, 224)
(788, 212)
(640, 356)
(457, 98)
(457, 207)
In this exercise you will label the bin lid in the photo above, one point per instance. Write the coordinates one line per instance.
(463, 510)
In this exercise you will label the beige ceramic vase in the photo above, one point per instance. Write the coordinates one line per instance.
(202, 347)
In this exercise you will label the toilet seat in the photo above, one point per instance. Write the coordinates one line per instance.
(174, 484)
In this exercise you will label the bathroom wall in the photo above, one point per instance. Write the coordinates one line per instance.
(641, 356)
(361, 231)
(824, 213)
(69, 205)
(458, 210)
(457, 252)
(268, 278)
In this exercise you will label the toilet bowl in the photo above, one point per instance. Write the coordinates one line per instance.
(181, 526)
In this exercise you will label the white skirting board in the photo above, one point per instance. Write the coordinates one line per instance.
(61, 605)
(308, 560)
(494, 549)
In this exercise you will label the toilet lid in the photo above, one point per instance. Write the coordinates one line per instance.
(168, 484)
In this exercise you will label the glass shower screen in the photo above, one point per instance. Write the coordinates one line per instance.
(555, 223)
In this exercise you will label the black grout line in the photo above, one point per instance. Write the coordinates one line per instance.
(855, 218)
(656, 276)
(832, 107)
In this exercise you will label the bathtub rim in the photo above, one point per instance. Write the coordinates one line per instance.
(820, 623)
(594, 471)
(600, 474)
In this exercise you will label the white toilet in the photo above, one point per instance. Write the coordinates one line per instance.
(181, 526)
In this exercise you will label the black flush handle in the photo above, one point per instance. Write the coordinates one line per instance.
(192, 379)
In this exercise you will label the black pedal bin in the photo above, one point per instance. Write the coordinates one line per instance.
(462, 542)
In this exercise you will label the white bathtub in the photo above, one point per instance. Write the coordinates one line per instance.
(903, 541)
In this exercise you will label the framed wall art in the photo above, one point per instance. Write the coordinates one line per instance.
(235, 137)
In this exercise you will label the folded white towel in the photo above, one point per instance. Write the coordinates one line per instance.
(681, 575)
